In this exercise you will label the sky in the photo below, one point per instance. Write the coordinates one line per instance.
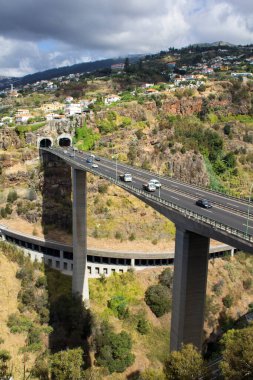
(36, 35)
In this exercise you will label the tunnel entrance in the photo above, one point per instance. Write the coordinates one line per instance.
(45, 143)
(64, 141)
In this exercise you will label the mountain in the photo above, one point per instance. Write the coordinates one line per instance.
(85, 67)
(58, 72)
(214, 44)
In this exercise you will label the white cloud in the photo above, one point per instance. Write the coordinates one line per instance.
(81, 28)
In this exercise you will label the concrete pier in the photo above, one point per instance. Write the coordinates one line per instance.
(189, 289)
(79, 209)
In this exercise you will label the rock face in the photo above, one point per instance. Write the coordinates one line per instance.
(9, 138)
(185, 106)
(189, 167)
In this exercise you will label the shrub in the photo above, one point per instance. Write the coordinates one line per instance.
(247, 284)
(228, 301)
(118, 235)
(67, 365)
(19, 323)
(217, 288)
(166, 278)
(184, 364)
(5, 357)
(41, 282)
(102, 188)
(158, 298)
(114, 350)
(142, 326)
(118, 304)
(12, 196)
(132, 236)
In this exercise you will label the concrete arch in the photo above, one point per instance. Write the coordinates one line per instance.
(45, 142)
(64, 139)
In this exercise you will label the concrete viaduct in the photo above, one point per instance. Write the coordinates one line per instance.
(194, 228)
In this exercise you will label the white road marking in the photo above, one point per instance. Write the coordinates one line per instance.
(231, 204)
(175, 198)
(208, 210)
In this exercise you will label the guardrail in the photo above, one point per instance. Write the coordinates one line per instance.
(245, 200)
(183, 211)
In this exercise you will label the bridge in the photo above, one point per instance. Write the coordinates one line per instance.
(228, 221)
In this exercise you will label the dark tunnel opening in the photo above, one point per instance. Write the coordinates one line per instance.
(45, 143)
(64, 141)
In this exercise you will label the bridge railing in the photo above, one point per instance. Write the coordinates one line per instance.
(183, 211)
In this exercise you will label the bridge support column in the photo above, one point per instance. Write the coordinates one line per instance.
(80, 275)
(189, 289)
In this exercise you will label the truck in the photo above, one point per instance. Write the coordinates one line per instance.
(126, 177)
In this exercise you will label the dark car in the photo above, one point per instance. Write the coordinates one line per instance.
(89, 160)
(97, 158)
(203, 203)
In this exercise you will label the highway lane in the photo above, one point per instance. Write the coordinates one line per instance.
(193, 190)
(169, 193)
(216, 198)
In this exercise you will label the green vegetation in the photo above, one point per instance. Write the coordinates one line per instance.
(85, 138)
(21, 129)
(158, 298)
(237, 354)
(113, 350)
(185, 364)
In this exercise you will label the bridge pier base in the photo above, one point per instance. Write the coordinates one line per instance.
(189, 289)
(79, 207)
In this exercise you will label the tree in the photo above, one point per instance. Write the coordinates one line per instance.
(185, 364)
(67, 365)
(114, 350)
(158, 298)
(237, 355)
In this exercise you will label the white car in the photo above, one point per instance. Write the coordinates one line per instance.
(94, 165)
(155, 182)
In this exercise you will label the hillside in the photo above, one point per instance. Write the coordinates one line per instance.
(227, 298)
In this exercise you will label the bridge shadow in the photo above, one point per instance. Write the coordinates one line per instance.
(56, 194)
(70, 320)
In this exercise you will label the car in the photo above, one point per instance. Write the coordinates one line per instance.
(72, 155)
(127, 177)
(155, 182)
(203, 203)
(65, 152)
(94, 166)
(89, 160)
(92, 155)
(149, 187)
(97, 158)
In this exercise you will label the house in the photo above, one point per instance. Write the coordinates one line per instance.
(73, 109)
(49, 107)
(22, 116)
(151, 91)
(111, 99)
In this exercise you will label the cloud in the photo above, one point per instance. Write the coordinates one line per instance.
(37, 35)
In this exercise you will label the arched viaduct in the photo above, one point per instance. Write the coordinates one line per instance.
(194, 229)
